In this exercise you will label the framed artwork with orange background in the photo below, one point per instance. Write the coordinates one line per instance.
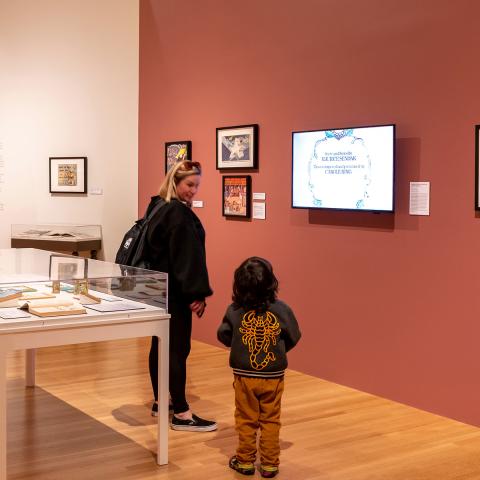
(236, 195)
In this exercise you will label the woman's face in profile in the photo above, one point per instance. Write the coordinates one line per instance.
(188, 187)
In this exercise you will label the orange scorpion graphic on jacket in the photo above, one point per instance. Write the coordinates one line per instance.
(259, 340)
(259, 330)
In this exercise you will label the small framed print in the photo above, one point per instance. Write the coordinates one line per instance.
(68, 174)
(236, 195)
(176, 152)
(237, 147)
(63, 267)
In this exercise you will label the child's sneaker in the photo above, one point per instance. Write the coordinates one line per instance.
(196, 424)
(267, 471)
(243, 468)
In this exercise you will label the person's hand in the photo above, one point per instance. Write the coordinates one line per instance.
(198, 307)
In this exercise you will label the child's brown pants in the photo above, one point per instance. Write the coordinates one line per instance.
(257, 403)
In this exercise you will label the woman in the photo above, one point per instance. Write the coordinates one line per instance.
(176, 245)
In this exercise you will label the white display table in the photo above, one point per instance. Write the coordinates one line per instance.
(34, 332)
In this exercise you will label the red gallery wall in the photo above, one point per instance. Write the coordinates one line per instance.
(388, 304)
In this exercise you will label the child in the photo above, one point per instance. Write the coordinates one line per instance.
(260, 330)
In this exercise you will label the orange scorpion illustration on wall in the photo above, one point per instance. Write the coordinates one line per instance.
(258, 332)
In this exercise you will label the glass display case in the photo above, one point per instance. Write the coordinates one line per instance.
(48, 299)
(36, 283)
(58, 237)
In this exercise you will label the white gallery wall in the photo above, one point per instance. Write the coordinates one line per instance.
(69, 87)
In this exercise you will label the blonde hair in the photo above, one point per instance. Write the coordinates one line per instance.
(179, 171)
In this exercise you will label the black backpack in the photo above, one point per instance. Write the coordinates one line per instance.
(133, 247)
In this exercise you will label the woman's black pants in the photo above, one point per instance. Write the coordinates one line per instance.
(180, 334)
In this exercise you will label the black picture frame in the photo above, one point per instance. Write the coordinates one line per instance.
(236, 196)
(67, 174)
(477, 167)
(176, 152)
(237, 147)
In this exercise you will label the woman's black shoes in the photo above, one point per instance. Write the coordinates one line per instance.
(155, 409)
(195, 424)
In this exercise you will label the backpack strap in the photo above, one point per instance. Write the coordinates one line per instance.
(154, 210)
(138, 259)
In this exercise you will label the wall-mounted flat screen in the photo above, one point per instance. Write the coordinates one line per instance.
(347, 169)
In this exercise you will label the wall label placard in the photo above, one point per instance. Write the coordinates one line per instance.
(419, 198)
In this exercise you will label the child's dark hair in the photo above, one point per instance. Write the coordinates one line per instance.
(254, 284)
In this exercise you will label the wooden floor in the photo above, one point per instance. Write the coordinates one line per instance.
(89, 418)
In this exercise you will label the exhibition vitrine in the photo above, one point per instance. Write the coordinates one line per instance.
(49, 299)
(58, 237)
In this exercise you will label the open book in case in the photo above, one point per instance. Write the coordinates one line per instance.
(47, 284)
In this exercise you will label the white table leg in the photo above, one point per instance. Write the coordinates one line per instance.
(30, 367)
(162, 435)
(3, 414)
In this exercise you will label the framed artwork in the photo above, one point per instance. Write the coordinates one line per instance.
(176, 152)
(68, 268)
(237, 147)
(477, 167)
(236, 195)
(68, 174)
